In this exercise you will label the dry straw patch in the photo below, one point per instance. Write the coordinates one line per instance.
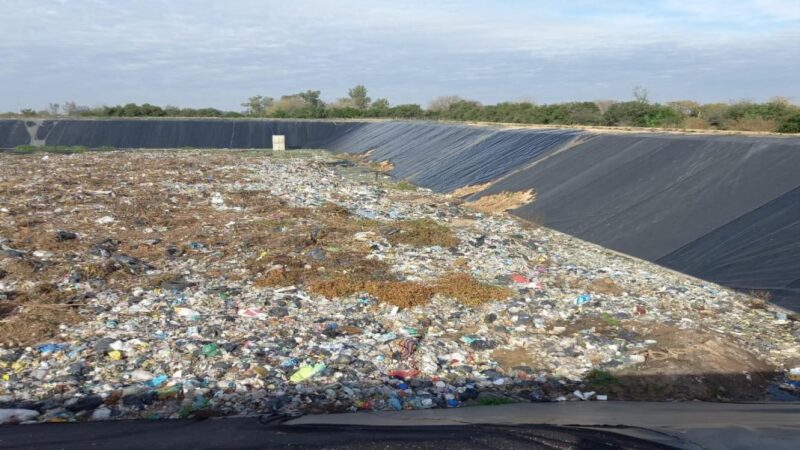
(382, 166)
(35, 315)
(462, 287)
(469, 291)
(502, 202)
(466, 191)
(404, 294)
(423, 232)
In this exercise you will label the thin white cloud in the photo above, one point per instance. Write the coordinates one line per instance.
(201, 52)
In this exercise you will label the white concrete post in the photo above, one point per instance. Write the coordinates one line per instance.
(278, 142)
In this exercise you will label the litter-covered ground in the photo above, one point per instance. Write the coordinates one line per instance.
(193, 284)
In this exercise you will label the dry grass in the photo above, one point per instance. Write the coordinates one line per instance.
(502, 202)
(469, 291)
(404, 294)
(696, 123)
(466, 191)
(423, 233)
(754, 124)
(462, 287)
(35, 315)
(759, 299)
(382, 166)
(605, 286)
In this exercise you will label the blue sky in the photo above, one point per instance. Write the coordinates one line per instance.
(217, 53)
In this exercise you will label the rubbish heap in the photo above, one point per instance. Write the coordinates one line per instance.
(154, 284)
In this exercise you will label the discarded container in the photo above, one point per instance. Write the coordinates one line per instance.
(306, 372)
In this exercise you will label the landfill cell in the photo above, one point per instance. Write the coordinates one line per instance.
(184, 283)
(666, 198)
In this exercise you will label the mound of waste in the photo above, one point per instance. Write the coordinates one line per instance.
(717, 207)
(193, 284)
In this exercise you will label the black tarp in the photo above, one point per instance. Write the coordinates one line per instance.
(720, 208)
(208, 133)
(759, 250)
(13, 133)
(447, 157)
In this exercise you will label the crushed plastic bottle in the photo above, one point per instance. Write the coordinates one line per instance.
(306, 372)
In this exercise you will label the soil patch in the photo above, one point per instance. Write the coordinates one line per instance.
(689, 365)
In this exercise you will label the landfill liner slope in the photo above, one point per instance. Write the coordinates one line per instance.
(208, 133)
(670, 199)
(757, 250)
(13, 133)
(447, 157)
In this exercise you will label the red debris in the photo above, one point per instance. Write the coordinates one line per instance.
(517, 278)
(403, 374)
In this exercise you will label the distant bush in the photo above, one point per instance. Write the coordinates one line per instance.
(790, 124)
(695, 123)
(752, 123)
(411, 111)
(641, 114)
(778, 114)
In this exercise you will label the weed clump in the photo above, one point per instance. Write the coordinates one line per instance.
(405, 186)
(469, 291)
(601, 379)
(423, 232)
(281, 276)
(405, 294)
(56, 149)
(495, 401)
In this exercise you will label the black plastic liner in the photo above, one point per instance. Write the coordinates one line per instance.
(176, 133)
(447, 157)
(719, 208)
(13, 133)
(758, 250)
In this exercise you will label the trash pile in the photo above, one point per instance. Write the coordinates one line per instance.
(156, 284)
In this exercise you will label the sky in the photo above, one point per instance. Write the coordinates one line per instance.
(195, 53)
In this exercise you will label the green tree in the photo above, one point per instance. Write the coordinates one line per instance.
(790, 125)
(443, 103)
(406, 111)
(640, 114)
(359, 97)
(380, 104)
(312, 99)
(257, 105)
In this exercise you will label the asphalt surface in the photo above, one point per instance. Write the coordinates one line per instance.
(693, 424)
(249, 433)
(631, 425)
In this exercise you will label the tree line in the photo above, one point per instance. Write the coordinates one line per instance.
(776, 115)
